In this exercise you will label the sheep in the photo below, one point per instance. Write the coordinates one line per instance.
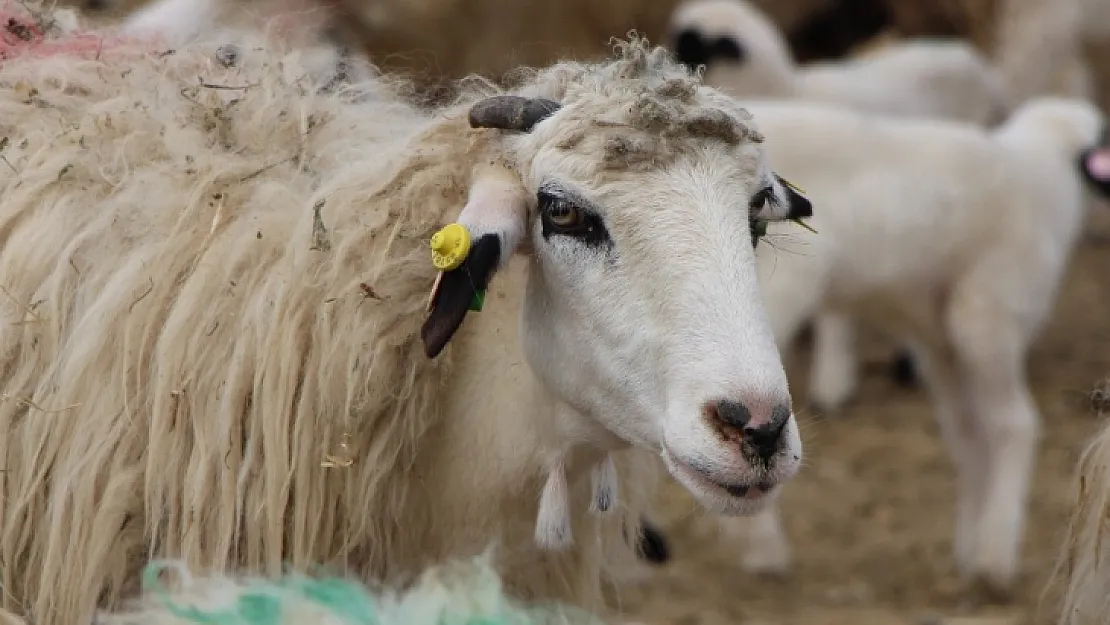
(747, 56)
(964, 267)
(232, 345)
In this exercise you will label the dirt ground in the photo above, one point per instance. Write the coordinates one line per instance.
(870, 516)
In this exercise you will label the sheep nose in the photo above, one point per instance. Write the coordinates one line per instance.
(759, 435)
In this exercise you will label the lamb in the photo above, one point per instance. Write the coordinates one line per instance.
(965, 270)
(231, 346)
(747, 56)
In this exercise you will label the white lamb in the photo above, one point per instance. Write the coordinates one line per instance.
(954, 239)
(225, 341)
(747, 56)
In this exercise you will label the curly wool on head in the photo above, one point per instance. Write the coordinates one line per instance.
(665, 111)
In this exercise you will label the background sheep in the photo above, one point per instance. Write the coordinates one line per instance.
(747, 56)
(965, 271)
(221, 271)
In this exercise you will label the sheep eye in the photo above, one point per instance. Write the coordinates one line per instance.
(564, 217)
(563, 214)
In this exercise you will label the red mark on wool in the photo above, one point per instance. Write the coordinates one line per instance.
(21, 35)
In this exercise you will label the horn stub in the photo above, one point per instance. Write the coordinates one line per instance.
(511, 112)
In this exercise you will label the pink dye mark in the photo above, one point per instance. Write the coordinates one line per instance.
(20, 35)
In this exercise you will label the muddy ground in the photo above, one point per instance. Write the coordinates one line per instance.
(870, 516)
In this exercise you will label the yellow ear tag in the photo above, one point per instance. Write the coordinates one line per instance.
(450, 246)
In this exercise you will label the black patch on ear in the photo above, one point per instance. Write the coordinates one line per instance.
(456, 290)
(692, 50)
(800, 206)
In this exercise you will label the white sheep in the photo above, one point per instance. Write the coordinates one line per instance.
(954, 239)
(747, 56)
(215, 281)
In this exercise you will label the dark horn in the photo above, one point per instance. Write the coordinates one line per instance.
(511, 112)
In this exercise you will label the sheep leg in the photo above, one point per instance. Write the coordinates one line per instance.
(940, 375)
(833, 373)
(766, 550)
(1007, 421)
(989, 343)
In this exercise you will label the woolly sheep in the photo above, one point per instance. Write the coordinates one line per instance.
(220, 275)
(747, 56)
(962, 266)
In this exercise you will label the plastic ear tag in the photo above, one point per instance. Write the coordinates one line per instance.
(450, 246)
(478, 301)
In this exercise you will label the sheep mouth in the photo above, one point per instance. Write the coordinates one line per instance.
(691, 474)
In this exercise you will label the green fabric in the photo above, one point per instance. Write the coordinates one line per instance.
(262, 602)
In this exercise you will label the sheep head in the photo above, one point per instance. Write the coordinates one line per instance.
(638, 196)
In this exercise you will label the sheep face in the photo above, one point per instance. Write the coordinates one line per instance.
(642, 310)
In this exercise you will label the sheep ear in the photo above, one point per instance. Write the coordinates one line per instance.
(797, 205)
(495, 216)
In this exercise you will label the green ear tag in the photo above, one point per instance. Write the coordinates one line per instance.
(477, 301)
